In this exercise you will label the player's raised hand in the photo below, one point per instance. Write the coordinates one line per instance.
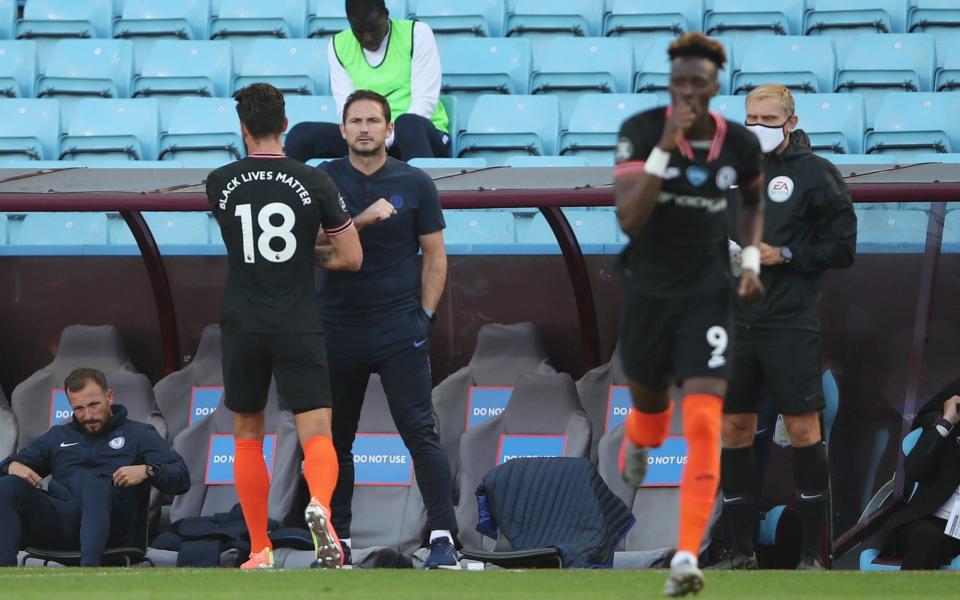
(750, 288)
(681, 120)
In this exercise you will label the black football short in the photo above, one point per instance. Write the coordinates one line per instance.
(298, 362)
(675, 339)
(780, 366)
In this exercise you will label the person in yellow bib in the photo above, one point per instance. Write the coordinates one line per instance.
(397, 58)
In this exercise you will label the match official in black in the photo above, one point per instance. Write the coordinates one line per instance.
(378, 320)
(810, 226)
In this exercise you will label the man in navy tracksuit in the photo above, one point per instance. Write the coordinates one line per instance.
(97, 461)
(377, 320)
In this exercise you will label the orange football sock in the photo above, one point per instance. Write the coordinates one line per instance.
(648, 430)
(702, 414)
(320, 467)
(253, 488)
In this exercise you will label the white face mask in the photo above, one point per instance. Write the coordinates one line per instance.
(770, 136)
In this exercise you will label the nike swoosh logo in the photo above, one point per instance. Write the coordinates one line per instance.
(814, 497)
(63, 445)
(420, 343)
(734, 499)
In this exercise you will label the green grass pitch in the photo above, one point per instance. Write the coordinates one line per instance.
(176, 584)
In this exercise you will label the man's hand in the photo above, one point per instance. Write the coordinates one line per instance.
(130, 476)
(750, 288)
(681, 120)
(381, 210)
(26, 473)
(951, 409)
(770, 255)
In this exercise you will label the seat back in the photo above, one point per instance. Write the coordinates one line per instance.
(243, 21)
(594, 229)
(292, 66)
(18, 68)
(638, 20)
(515, 124)
(9, 428)
(300, 109)
(940, 18)
(203, 131)
(732, 108)
(327, 18)
(948, 74)
(475, 66)
(543, 418)
(66, 18)
(112, 129)
(913, 124)
(76, 68)
(834, 122)
(572, 66)
(187, 396)
(653, 68)
(605, 397)
(29, 129)
(803, 64)
(8, 18)
(844, 21)
(456, 20)
(879, 64)
(207, 448)
(475, 231)
(387, 506)
(740, 20)
(596, 121)
(478, 392)
(891, 231)
(53, 229)
(181, 19)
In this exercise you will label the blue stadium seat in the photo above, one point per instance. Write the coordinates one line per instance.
(632, 19)
(108, 130)
(947, 159)
(593, 228)
(948, 72)
(468, 229)
(168, 229)
(29, 129)
(93, 68)
(472, 67)
(543, 21)
(546, 161)
(292, 66)
(47, 21)
(573, 66)
(452, 20)
(951, 232)
(8, 19)
(242, 21)
(300, 109)
(940, 18)
(327, 18)
(18, 68)
(740, 20)
(653, 68)
(452, 105)
(203, 132)
(846, 19)
(891, 231)
(916, 123)
(63, 229)
(3, 229)
(596, 120)
(145, 21)
(803, 64)
(457, 164)
(834, 122)
(503, 125)
(732, 108)
(177, 68)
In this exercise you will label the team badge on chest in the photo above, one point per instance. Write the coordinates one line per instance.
(697, 176)
(117, 442)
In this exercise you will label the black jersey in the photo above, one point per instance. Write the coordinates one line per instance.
(682, 249)
(270, 209)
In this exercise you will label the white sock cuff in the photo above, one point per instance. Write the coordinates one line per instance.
(439, 533)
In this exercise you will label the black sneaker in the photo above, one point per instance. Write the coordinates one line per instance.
(443, 555)
(734, 561)
(810, 562)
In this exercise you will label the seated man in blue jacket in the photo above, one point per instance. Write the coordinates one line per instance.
(97, 460)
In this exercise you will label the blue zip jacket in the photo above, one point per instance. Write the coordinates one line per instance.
(70, 455)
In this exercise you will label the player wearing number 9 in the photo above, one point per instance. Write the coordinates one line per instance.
(271, 209)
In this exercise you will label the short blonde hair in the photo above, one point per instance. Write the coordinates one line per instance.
(774, 90)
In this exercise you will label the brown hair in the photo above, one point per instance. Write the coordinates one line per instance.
(79, 378)
(697, 45)
(367, 95)
(260, 107)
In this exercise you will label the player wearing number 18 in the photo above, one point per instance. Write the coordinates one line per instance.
(674, 167)
(270, 209)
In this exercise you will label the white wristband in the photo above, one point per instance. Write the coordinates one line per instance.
(750, 259)
(657, 162)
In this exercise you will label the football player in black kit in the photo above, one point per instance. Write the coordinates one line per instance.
(270, 209)
(674, 168)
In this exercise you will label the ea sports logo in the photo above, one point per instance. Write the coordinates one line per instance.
(780, 189)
